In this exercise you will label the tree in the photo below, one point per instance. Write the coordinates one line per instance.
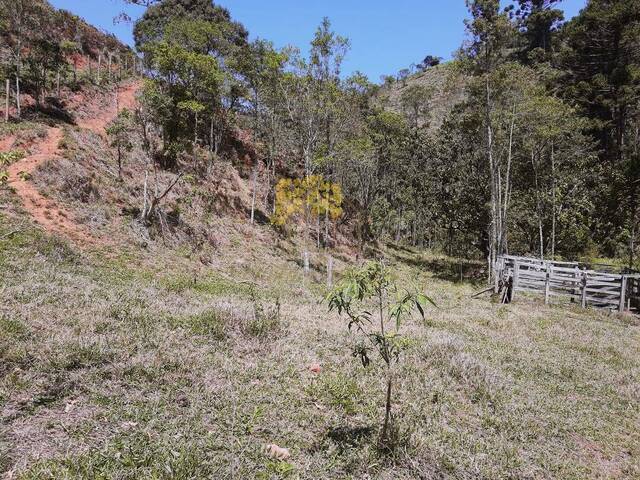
(20, 23)
(538, 20)
(303, 200)
(192, 81)
(491, 33)
(601, 60)
(416, 101)
(152, 26)
(368, 289)
(119, 131)
(429, 61)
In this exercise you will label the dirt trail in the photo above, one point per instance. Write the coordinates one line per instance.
(52, 216)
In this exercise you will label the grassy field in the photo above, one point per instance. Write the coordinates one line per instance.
(140, 365)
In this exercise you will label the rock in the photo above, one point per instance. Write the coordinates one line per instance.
(274, 451)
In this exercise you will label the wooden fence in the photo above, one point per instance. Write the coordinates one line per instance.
(553, 279)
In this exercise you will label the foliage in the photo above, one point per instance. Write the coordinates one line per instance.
(311, 195)
(357, 296)
(11, 156)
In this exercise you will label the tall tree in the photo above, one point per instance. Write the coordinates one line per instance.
(602, 61)
(491, 33)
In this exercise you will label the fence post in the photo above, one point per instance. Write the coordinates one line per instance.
(584, 290)
(6, 100)
(623, 293)
(547, 282)
(516, 268)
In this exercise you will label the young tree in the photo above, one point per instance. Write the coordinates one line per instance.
(119, 131)
(360, 293)
(305, 199)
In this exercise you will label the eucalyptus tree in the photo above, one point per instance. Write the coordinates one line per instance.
(490, 34)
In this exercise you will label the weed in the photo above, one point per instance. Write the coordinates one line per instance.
(337, 390)
(210, 285)
(78, 355)
(266, 317)
(210, 323)
(13, 328)
(12, 156)
(139, 454)
(277, 469)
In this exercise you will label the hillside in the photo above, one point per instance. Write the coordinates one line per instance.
(44, 50)
(447, 85)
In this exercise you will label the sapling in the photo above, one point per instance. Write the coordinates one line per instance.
(376, 309)
(119, 131)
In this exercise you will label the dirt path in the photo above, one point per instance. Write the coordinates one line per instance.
(52, 216)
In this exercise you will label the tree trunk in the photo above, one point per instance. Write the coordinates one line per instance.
(553, 204)
(255, 186)
(538, 204)
(119, 162)
(18, 106)
(387, 413)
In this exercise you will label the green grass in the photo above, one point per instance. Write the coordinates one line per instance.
(210, 323)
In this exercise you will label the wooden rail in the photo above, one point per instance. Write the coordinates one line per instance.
(553, 279)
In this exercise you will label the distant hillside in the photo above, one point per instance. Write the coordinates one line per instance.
(448, 86)
(44, 26)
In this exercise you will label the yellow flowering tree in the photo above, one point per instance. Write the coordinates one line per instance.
(305, 199)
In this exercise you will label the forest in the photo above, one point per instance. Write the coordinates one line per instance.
(540, 157)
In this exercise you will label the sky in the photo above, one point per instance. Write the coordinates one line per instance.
(385, 35)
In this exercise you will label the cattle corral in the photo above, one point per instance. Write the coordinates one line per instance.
(574, 281)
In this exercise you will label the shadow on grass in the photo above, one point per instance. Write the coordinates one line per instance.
(349, 437)
(51, 111)
(456, 270)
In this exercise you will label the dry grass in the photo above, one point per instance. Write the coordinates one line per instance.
(143, 365)
(182, 357)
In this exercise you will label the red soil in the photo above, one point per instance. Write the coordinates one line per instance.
(52, 216)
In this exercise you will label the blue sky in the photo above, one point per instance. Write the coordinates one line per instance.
(385, 35)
